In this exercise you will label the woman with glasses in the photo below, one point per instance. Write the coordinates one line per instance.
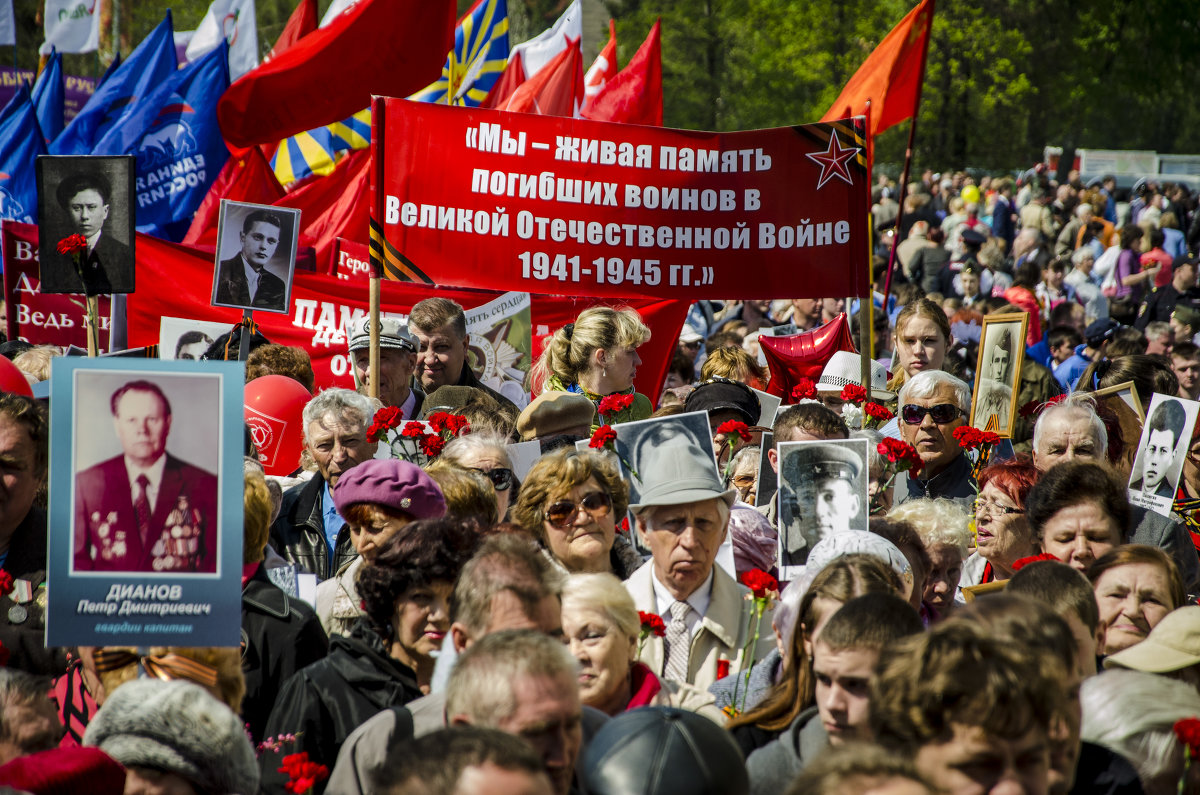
(1078, 512)
(1002, 532)
(571, 502)
(485, 453)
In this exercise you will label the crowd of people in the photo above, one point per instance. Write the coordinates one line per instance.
(1005, 622)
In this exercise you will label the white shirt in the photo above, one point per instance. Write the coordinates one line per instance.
(154, 474)
(698, 601)
(92, 241)
(251, 277)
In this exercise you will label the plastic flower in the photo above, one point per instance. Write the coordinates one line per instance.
(761, 583)
(614, 404)
(72, 244)
(731, 427)
(804, 389)
(853, 393)
(652, 624)
(602, 437)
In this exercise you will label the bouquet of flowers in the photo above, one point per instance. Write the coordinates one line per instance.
(858, 412)
(416, 442)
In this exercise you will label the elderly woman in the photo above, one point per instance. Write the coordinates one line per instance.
(921, 339)
(596, 356)
(1078, 512)
(377, 499)
(1002, 533)
(488, 454)
(602, 628)
(571, 502)
(742, 473)
(944, 529)
(1136, 586)
(387, 660)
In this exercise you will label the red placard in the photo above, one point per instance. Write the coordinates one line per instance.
(34, 316)
(510, 201)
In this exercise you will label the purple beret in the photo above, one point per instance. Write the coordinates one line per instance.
(395, 484)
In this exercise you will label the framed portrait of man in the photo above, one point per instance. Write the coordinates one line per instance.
(146, 488)
(1001, 352)
(86, 230)
(181, 338)
(1158, 463)
(822, 492)
(256, 256)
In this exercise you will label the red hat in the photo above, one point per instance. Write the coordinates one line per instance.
(65, 771)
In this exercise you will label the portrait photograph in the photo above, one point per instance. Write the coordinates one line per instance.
(822, 492)
(1001, 352)
(1158, 463)
(767, 481)
(180, 338)
(86, 230)
(256, 256)
(145, 501)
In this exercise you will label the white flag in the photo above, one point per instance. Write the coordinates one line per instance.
(543, 48)
(232, 20)
(72, 26)
(8, 24)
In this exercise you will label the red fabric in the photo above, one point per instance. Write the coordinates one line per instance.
(302, 22)
(890, 77)
(1024, 299)
(65, 771)
(510, 80)
(75, 705)
(603, 69)
(249, 570)
(245, 177)
(634, 96)
(387, 47)
(556, 90)
(804, 355)
(644, 685)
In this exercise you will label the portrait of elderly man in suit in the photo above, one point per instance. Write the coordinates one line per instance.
(243, 279)
(107, 267)
(145, 510)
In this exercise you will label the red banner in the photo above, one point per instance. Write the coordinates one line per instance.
(34, 316)
(505, 201)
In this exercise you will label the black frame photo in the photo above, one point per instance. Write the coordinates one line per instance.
(259, 240)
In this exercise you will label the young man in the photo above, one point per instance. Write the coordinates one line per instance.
(1062, 341)
(1185, 361)
(844, 656)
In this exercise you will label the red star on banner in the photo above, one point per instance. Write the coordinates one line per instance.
(833, 161)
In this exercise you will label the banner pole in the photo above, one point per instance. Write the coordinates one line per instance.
(373, 362)
(865, 304)
(244, 341)
(93, 325)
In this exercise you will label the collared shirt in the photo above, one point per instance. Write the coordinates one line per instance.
(251, 277)
(92, 241)
(154, 473)
(698, 601)
(333, 519)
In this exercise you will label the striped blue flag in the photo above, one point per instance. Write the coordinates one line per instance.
(478, 59)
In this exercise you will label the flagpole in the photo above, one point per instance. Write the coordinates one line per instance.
(908, 157)
(377, 149)
(373, 360)
(866, 304)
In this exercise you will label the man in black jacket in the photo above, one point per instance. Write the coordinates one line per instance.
(440, 326)
(1159, 306)
(309, 532)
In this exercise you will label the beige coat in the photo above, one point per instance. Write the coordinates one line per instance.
(723, 632)
(338, 599)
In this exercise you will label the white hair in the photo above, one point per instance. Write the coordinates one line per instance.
(605, 593)
(1075, 404)
(341, 403)
(925, 383)
(461, 448)
(938, 522)
(1133, 714)
(1082, 253)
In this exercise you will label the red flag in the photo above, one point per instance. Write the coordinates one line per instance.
(333, 206)
(556, 90)
(388, 47)
(302, 22)
(510, 80)
(245, 177)
(804, 355)
(604, 68)
(891, 76)
(634, 96)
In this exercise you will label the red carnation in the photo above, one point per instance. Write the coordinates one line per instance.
(1023, 562)
(302, 773)
(457, 424)
(722, 668)
(730, 427)
(602, 436)
(614, 404)
(853, 393)
(1187, 731)
(6, 583)
(413, 430)
(878, 411)
(652, 624)
(968, 438)
(804, 389)
(437, 420)
(432, 444)
(389, 416)
(376, 432)
(71, 244)
(760, 582)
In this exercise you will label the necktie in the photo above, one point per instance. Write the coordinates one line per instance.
(678, 645)
(141, 505)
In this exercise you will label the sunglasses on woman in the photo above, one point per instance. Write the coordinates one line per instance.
(942, 413)
(502, 479)
(562, 513)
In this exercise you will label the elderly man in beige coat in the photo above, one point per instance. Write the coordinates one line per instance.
(683, 516)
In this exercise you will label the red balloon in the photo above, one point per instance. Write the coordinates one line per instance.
(274, 404)
(12, 379)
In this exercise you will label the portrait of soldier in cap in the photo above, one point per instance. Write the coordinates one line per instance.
(1001, 352)
(822, 492)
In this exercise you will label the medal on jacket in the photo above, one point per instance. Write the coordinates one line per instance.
(178, 549)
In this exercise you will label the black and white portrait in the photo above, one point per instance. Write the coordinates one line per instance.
(1158, 464)
(145, 491)
(86, 233)
(181, 338)
(256, 256)
(822, 492)
(767, 481)
(1001, 351)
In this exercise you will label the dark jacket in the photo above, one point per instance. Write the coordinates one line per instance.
(954, 483)
(108, 269)
(326, 701)
(467, 378)
(232, 287)
(1159, 305)
(25, 638)
(1102, 772)
(298, 533)
(280, 636)
(773, 766)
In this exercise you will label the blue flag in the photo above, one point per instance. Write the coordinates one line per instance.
(20, 144)
(112, 67)
(174, 133)
(49, 97)
(152, 62)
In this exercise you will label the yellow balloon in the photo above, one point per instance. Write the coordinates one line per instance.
(970, 194)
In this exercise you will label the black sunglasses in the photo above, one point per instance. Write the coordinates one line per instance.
(562, 513)
(502, 479)
(942, 413)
